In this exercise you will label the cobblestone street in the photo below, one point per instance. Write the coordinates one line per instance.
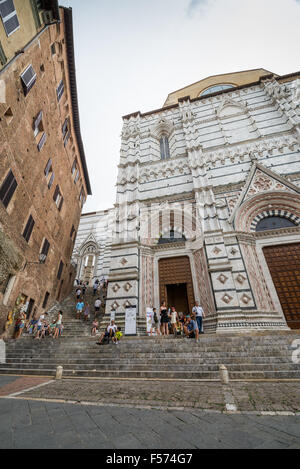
(40, 418)
(31, 424)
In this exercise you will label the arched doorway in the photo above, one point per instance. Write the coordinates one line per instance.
(284, 265)
(176, 283)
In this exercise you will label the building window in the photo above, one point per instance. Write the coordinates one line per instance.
(74, 167)
(216, 88)
(38, 130)
(28, 229)
(164, 147)
(66, 131)
(58, 198)
(49, 173)
(28, 78)
(45, 248)
(8, 189)
(53, 49)
(60, 269)
(274, 223)
(72, 231)
(9, 16)
(77, 176)
(47, 294)
(3, 58)
(60, 90)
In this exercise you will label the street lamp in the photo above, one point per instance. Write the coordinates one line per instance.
(42, 260)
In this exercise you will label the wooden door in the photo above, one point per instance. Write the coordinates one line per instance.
(176, 270)
(284, 265)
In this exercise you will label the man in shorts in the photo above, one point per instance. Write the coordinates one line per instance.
(191, 329)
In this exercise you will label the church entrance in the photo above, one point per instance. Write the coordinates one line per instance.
(177, 296)
(176, 283)
(284, 265)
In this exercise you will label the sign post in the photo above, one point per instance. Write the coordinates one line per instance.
(130, 320)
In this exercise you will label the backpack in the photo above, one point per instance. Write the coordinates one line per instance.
(155, 318)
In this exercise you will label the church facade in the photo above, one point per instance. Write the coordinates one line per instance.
(208, 205)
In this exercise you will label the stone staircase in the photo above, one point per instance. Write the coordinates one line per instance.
(247, 356)
(77, 327)
(141, 328)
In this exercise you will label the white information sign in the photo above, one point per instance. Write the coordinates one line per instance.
(130, 320)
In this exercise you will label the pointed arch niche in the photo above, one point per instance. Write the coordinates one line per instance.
(88, 256)
(163, 134)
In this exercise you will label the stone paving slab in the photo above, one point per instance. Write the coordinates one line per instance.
(247, 396)
(117, 428)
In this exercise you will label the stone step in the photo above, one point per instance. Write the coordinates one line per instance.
(146, 367)
(199, 375)
(155, 361)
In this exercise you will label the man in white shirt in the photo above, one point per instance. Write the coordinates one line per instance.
(199, 316)
(112, 329)
(97, 306)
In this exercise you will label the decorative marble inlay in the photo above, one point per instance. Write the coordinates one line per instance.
(233, 251)
(241, 279)
(222, 278)
(263, 182)
(127, 287)
(116, 287)
(246, 299)
(123, 261)
(126, 304)
(217, 250)
(226, 298)
(115, 305)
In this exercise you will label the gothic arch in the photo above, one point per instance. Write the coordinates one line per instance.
(275, 202)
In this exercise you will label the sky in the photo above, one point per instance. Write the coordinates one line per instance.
(130, 54)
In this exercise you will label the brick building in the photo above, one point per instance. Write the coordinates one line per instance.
(44, 180)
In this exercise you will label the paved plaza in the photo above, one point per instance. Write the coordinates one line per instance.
(49, 416)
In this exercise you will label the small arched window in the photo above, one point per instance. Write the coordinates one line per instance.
(164, 148)
(274, 223)
(215, 88)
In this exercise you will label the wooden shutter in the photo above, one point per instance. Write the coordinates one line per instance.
(8, 189)
(51, 181)
(28, 229)
(60, 90)
(28, 78)
(9, 16)
(60, 269)
(48, 167)
(3, 58)
(42, 141)
(65, 127)
(45, 248)
(56, 192)
(61, 203)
